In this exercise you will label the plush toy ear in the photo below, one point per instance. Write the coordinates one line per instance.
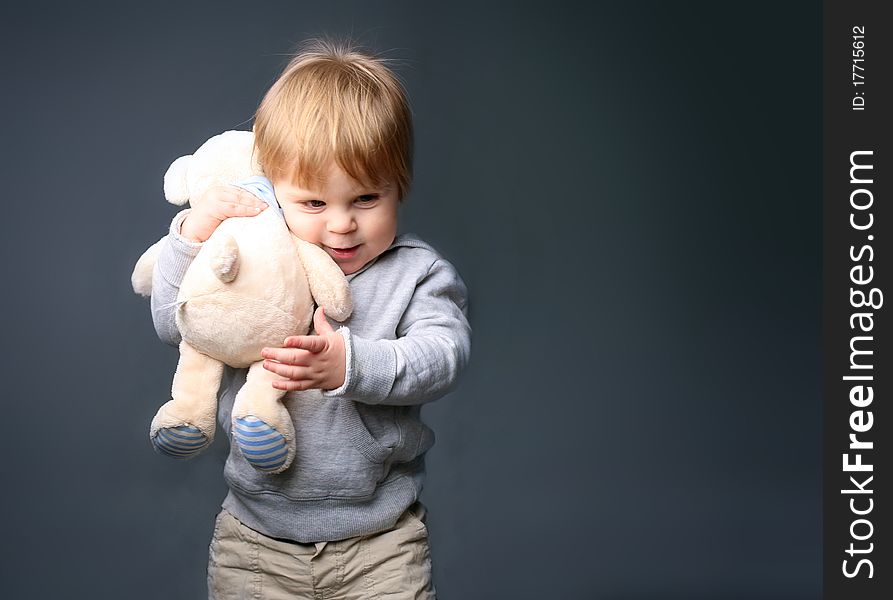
(175, 189)
(327, 283)
(224, 252)
(141, 279)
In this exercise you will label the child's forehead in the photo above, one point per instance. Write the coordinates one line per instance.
(332, 178)
(331, 174)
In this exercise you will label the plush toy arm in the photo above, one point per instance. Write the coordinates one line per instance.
(327, 283)
(141, 278)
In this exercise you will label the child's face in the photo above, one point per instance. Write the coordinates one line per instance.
(352, 223)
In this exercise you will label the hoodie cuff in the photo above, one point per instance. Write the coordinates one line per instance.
(185, 244)
(176, 256)
(370, 370)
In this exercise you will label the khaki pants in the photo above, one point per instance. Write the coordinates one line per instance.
(391, 565)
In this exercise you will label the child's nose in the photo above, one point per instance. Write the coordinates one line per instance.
(341, 223)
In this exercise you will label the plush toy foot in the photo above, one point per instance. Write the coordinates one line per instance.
(263, 447)
(183, 441)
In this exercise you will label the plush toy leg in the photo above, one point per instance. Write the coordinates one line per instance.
(185, 425)
(262, 427)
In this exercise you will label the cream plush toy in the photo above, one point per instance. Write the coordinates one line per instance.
(251, 285)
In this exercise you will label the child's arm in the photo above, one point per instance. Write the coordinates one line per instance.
(423, 364)
(174, 257)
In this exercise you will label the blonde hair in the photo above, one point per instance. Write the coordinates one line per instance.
(333, 102)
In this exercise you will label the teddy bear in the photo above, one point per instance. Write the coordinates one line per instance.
(252, 284)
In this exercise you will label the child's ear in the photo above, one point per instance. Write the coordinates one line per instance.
(328, 285)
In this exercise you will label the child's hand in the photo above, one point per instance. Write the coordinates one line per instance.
(219, 203)
(309, 361)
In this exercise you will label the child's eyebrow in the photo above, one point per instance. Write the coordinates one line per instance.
(367, 190)
(300, 197)
(305, 195)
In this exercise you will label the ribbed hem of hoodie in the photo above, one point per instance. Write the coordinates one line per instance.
(327, 519)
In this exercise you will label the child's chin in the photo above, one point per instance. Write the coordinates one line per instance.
(349, 269)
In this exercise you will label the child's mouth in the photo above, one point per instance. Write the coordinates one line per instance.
(342, 253)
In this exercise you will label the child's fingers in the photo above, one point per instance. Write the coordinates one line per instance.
(288, 356)
(237, 202)
(292, 386)
(320, 323)
(241, 210)
(245, 197)
(311, 343)
(292, 372)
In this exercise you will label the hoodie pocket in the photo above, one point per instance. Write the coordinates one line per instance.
(372, 429)
(392, 434)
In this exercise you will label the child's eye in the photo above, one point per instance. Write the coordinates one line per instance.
(367, 198)
(314, 203)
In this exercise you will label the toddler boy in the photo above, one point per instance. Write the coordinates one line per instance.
(334, 137)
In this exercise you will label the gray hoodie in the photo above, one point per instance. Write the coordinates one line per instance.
(360, 459)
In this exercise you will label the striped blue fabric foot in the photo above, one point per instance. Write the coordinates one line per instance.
(262, 446)
(184, 441)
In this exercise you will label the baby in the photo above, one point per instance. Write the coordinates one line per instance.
(334, 137)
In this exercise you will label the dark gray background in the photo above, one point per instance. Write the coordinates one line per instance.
(632, 195)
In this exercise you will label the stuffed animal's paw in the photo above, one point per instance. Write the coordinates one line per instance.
(183, 441)
(263, 447)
